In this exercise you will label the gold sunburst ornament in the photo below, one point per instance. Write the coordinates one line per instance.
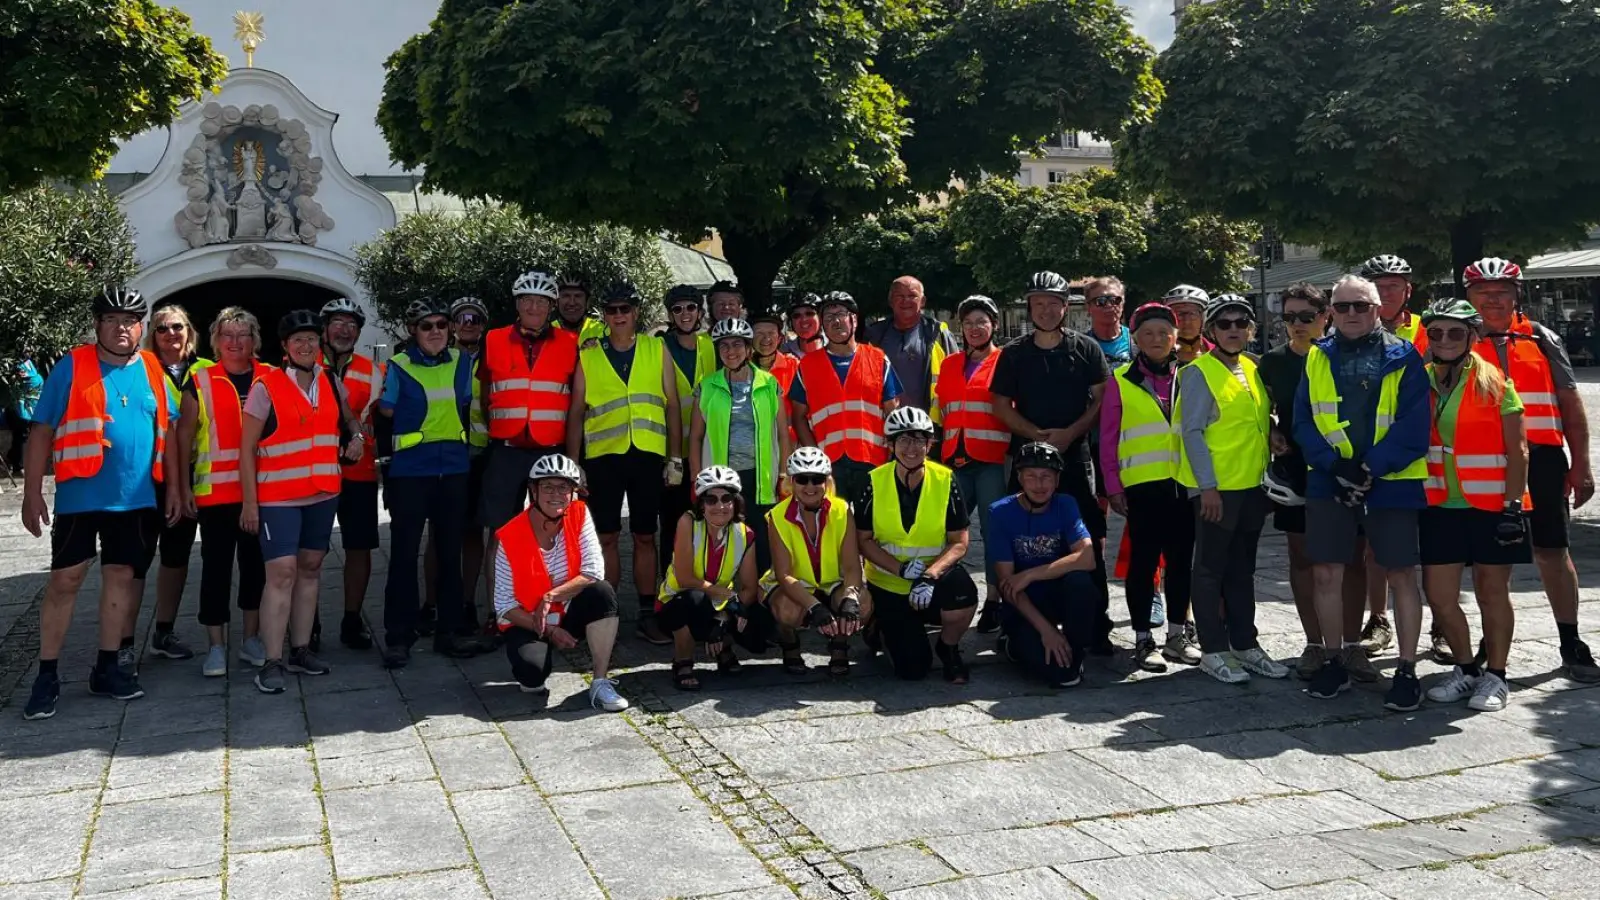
(249, 29)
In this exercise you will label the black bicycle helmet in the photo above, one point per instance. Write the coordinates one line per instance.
(1385, 264)
(838, 298)
(805, 301)
(1039, 455)
(680, 292)
(297, 321)
(1221, 303)
(622, 292)
(417, 310)
(724, 287)
(1047, 283)
(119, 298)
(771, 314)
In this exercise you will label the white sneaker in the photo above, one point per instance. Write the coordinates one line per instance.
(216, 664)
(1490, 694)
(1256, 660)
(603, 694)
(253, 651)
(1223, 668)
(1456, 686)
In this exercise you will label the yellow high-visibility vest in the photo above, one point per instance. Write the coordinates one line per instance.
(926, 538)
(1238, 438)
(1324, 396)
(1147, 444)
(620, 415)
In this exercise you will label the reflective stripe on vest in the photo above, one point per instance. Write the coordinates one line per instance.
(847, 418)
(218, 435)
(926, 538)
(440, 384)
(1529, 371)
(530, 580)
(1237, 439)
(738, 541)
(621, 416)
(532, 401)
(79, 441)
(834, 521)
(362, 378)
(1147, 444)
(1323, 394)
(705, 362)
(966, 406)
(1478, 448)
(300, 459)
(716, 408)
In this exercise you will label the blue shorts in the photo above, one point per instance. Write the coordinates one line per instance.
(286, 530)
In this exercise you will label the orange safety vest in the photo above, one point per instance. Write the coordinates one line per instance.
(78, 449)
(968, 409)
(530, 580)
(847, 418)
(784, 368)
(1479, 450)
(363, 381)
(1530, 372)
(536, 399)
(300, 458)
(224, 415)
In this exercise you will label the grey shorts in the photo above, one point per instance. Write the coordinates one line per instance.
(505, 482)
(1332, 528)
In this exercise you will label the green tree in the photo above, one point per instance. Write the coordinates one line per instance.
(766, 121)
(76, 75)
(864, 256)
(62, 248)
(481, 252)
(1370, 125)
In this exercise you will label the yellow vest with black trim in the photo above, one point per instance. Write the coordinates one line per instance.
(738, 539)
(620, 415)
(442, 420)
(1147, 444)
(705, 362)
(834, 527)
(1238, 438)
(1323, 393)
(926, 538)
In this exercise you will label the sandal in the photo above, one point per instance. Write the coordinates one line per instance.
(793, 662)
(683, 677)
(728, 662)
(838, 657)
(955, 669)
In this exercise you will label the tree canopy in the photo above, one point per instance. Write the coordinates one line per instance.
(1367, 126)
(766, 121)
(76, 75)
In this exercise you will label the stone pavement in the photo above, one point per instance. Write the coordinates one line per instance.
(444, 781)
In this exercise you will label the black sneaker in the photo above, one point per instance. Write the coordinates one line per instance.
(166, 644)
(650, 631)
(396, 657)
(114, 683)
(427, 621)
(1578, 664)
(1330, 681)
(353, 632)
(989, 619)
(457, 647)
(955, 668)
(1102, 646)
(42, 699)
(1405, 691)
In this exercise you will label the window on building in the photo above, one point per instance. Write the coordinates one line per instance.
(1058, 175)
(1069, 140)
(1025, 177)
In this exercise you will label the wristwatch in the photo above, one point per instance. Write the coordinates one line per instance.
(1513, 506)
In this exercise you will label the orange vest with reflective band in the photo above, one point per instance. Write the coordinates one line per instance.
(530, 580)
(536, 399)
(78, 449)
(363, 382)
(1479, 450)
(218, 485)
(1530, 372)
(300, 458)
(784, 368)
(968, 410)
(847, 418)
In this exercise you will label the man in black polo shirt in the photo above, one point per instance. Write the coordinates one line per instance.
(1047, 387)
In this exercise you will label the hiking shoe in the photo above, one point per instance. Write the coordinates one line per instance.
(42, 699)
(1440, 648)
(270, 679)
(1147, 656)
(955, 668)
(216, 664)
(1182, 648)
(128, 659)
(650, 632)
(396, 657)
(1578, 664)
(427, 621)
(1405, 692)
(1256, 660)
(1223, 668)
(166, 644)
(1455, 687)
(1311, 659)
(302, 661)
(1330, 682)
(1378, 635)
(353, 632)
(1489, 694)
(603, 695)
(989, 619)
(253, 651)
(116, 683)
(1358, 664)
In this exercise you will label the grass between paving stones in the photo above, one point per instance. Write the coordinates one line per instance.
(326, 832)
(477, 869)
(94, 820)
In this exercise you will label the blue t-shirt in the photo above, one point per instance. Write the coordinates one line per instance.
(1032, 539)
(841, 365)
(124, 481)
(1118, 350)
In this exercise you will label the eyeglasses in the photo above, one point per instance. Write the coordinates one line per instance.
(469, 319)
(1105, 300)
(719, 499)
(618, 309)
(1353, 307)
(1303, 317)
(1231, 324)
(1453, 334)
(173, 328)
(679, 309)
(838, 315)
(432, 325)
(809, 480)
(555, 487)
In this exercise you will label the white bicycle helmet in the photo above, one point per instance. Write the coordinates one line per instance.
(556, 465)
(1491, 268)
(1385, 264)
(1186, 293)
(732, 328)
(907, 419)
(344, 306)
(1278, 487)
(716, 477)
(809, 461)
(536, 284)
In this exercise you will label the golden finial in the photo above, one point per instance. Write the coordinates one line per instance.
(249, 31)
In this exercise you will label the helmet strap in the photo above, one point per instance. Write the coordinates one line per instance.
(1450, 363)
(117, 354)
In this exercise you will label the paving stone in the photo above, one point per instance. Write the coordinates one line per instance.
(1189, 875)
(138, 843)
(904, 866)
(1291, 861)
(1332, 890)
(163, 715)
(476, 761)
(1511, 828)
(1391, 848)
(778, 763)
(1029, 884)
(502, 825)
(847, 813)
(42, 837)
(855, 727)
(76, 714)
(449, 709)
(657, 841)
(392, 829)
(775, 705)
(1196, 827)
(259, 722)
(302, 874)
(1185, 774)
(1469, 789)
(456, 884)
(1560, 873)
(991, 852)
(1052, 734)
(180, 889)
(165, 766)
(1460, 880)
(53, 763)
(773, 892)
(354, 723)
(273, 800)
(387, 765)
(1285, 760)
(612, 754)
(1429, 742)
(59, 889)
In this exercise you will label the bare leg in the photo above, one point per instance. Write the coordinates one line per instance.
(602, 636)
(608, 553)
(1407, 610)
(1302, 584)
(119, 601)
(1560, 579)
(1443, 584)
(1356, 596)
(275, 603)
(252, 623)
(1492, 585)
(953, 623)
(644, 564)
(55, 613)
(307, 585)
(1377, 589)
(170, 582)
(1328, 581)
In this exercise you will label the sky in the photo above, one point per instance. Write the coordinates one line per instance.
(1152, 19)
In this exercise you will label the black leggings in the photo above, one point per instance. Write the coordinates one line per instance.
(902, 628)
(176, 542)
(221, 541)
(529, 653)
(1067, 603)
(1160, 523)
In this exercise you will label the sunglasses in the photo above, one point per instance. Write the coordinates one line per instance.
(618, 309)
(431, 326)
(809, 480)
(1345, 307)
(1106, 300)
(1456, 333)
(1304, 317)
(1231, 324)
(719, 499)
(679, 309)
(469, 319)
(174, 328)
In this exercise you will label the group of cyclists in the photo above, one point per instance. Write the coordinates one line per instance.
(789, 470)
